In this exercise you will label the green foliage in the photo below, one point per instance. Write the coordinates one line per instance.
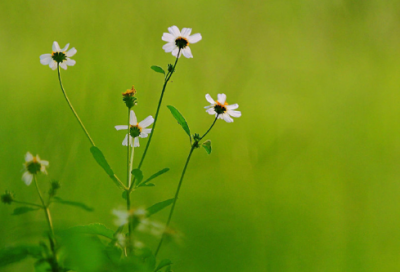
(73, 203)
(145, 183)
(181, 120)
(22, 210)
(95, 228)
(158, 69)
(137, 173)
(207, 146)
(101, 160)
(14, 254)
(159, 206)
(163, 263)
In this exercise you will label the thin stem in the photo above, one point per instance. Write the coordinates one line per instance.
(215, 120)
(27, 203)
(72, 108)
(167, 78)
(128, 151)
(175, 199)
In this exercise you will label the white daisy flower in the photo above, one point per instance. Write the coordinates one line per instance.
(60, 56)
(33, 165)
(221, 109)
(179, 40)
(136, 129)
(122, 217)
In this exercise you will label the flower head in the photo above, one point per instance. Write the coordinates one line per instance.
(122, 217)
(129, 97)
(59, 56)
(178, 41)
(136, 129)
(221, 108)
(33, 165)
(7, 197)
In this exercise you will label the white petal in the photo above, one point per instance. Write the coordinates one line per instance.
(222, 98)
(232, 107)
(53, 65)
(234, 113)
(45, 56)
(43, 169)
(146, 130)
(147, 122)
(174, 30)
(56, 47)
(175, 52)
(211, 111)
(186, 32)
(28, 157)
(194, 38)
(136, 144)
(45, 163)
(71, 52)
(121, 127)
(65, 48)
(143, 135)
(125, 141)
(47, 60)
(133, 119)
(27, 178)
(168, 37)
(63, 65)
(209, 99)
(227, 118)
(70, 62)
(187, 53)
(168, 47)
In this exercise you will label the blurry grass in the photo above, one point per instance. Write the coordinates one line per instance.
(306, 180)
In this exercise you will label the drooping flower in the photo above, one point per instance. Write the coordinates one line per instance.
(136, 129)
(222, 109)
(177, 40)
(33, 165)
(60, 56)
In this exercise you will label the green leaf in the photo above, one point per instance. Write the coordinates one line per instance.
(207, 146)
(181, 120)
(125, 195)
(95, 228)
(147, 185)
(158, 69)
(137, 173)
(154, 176)
(15, 254)
(101, 160)
(159, 206)
(73, 203)
(22, 210)
(162, 264)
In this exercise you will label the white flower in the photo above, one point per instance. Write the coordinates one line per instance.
(33, 165)
(121, 239)
(179, 40)
(122, 217)
(136, 129)
(221, 109)
(59, 56)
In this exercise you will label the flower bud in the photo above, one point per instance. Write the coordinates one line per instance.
(7, 197)
(129, 97)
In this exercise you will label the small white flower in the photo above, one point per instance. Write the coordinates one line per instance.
(179, 40)
(121, 238)
(122, 217)
(33, 165)
(136, 129)
(221, 109)
(59, 55)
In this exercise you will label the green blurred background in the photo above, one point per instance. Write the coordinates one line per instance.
(306, 180)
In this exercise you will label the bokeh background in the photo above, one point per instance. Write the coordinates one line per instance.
(306, 180)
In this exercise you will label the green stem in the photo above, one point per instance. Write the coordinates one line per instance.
(128, 151)
(215, 120)
(72, 108)
(27, 203)
(167, 78)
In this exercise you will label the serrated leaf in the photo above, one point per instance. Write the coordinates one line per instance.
(154, 176)
(95, 228)
(181, 120)
(159, 206)
(22, 210)
(15, 254)
(162, 264)
(158, 69)
(73, 203)
(207, 146)
(137, 173)
(101, 160)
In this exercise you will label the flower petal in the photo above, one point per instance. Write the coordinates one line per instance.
(56, 47)
(187, 53)
(121, 127)
(136, 143)
(222, 98)
(71, 52)
(53, 65)
(147, 130)
(232, 107)
(70, 62)
(27, 178)
(195, 38)
(209, 99)
(234, 113)
(174, 30)
(168, 47)
(28, 157)
(186, 32)
(45, 163)
(167, 37)
(211, 111)
(147, 122)
(63, 65)
(46, 60)
(175, 52)
(133, 119)
(125, 141)
(143, 135)
(65, 48)
(227, 118)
